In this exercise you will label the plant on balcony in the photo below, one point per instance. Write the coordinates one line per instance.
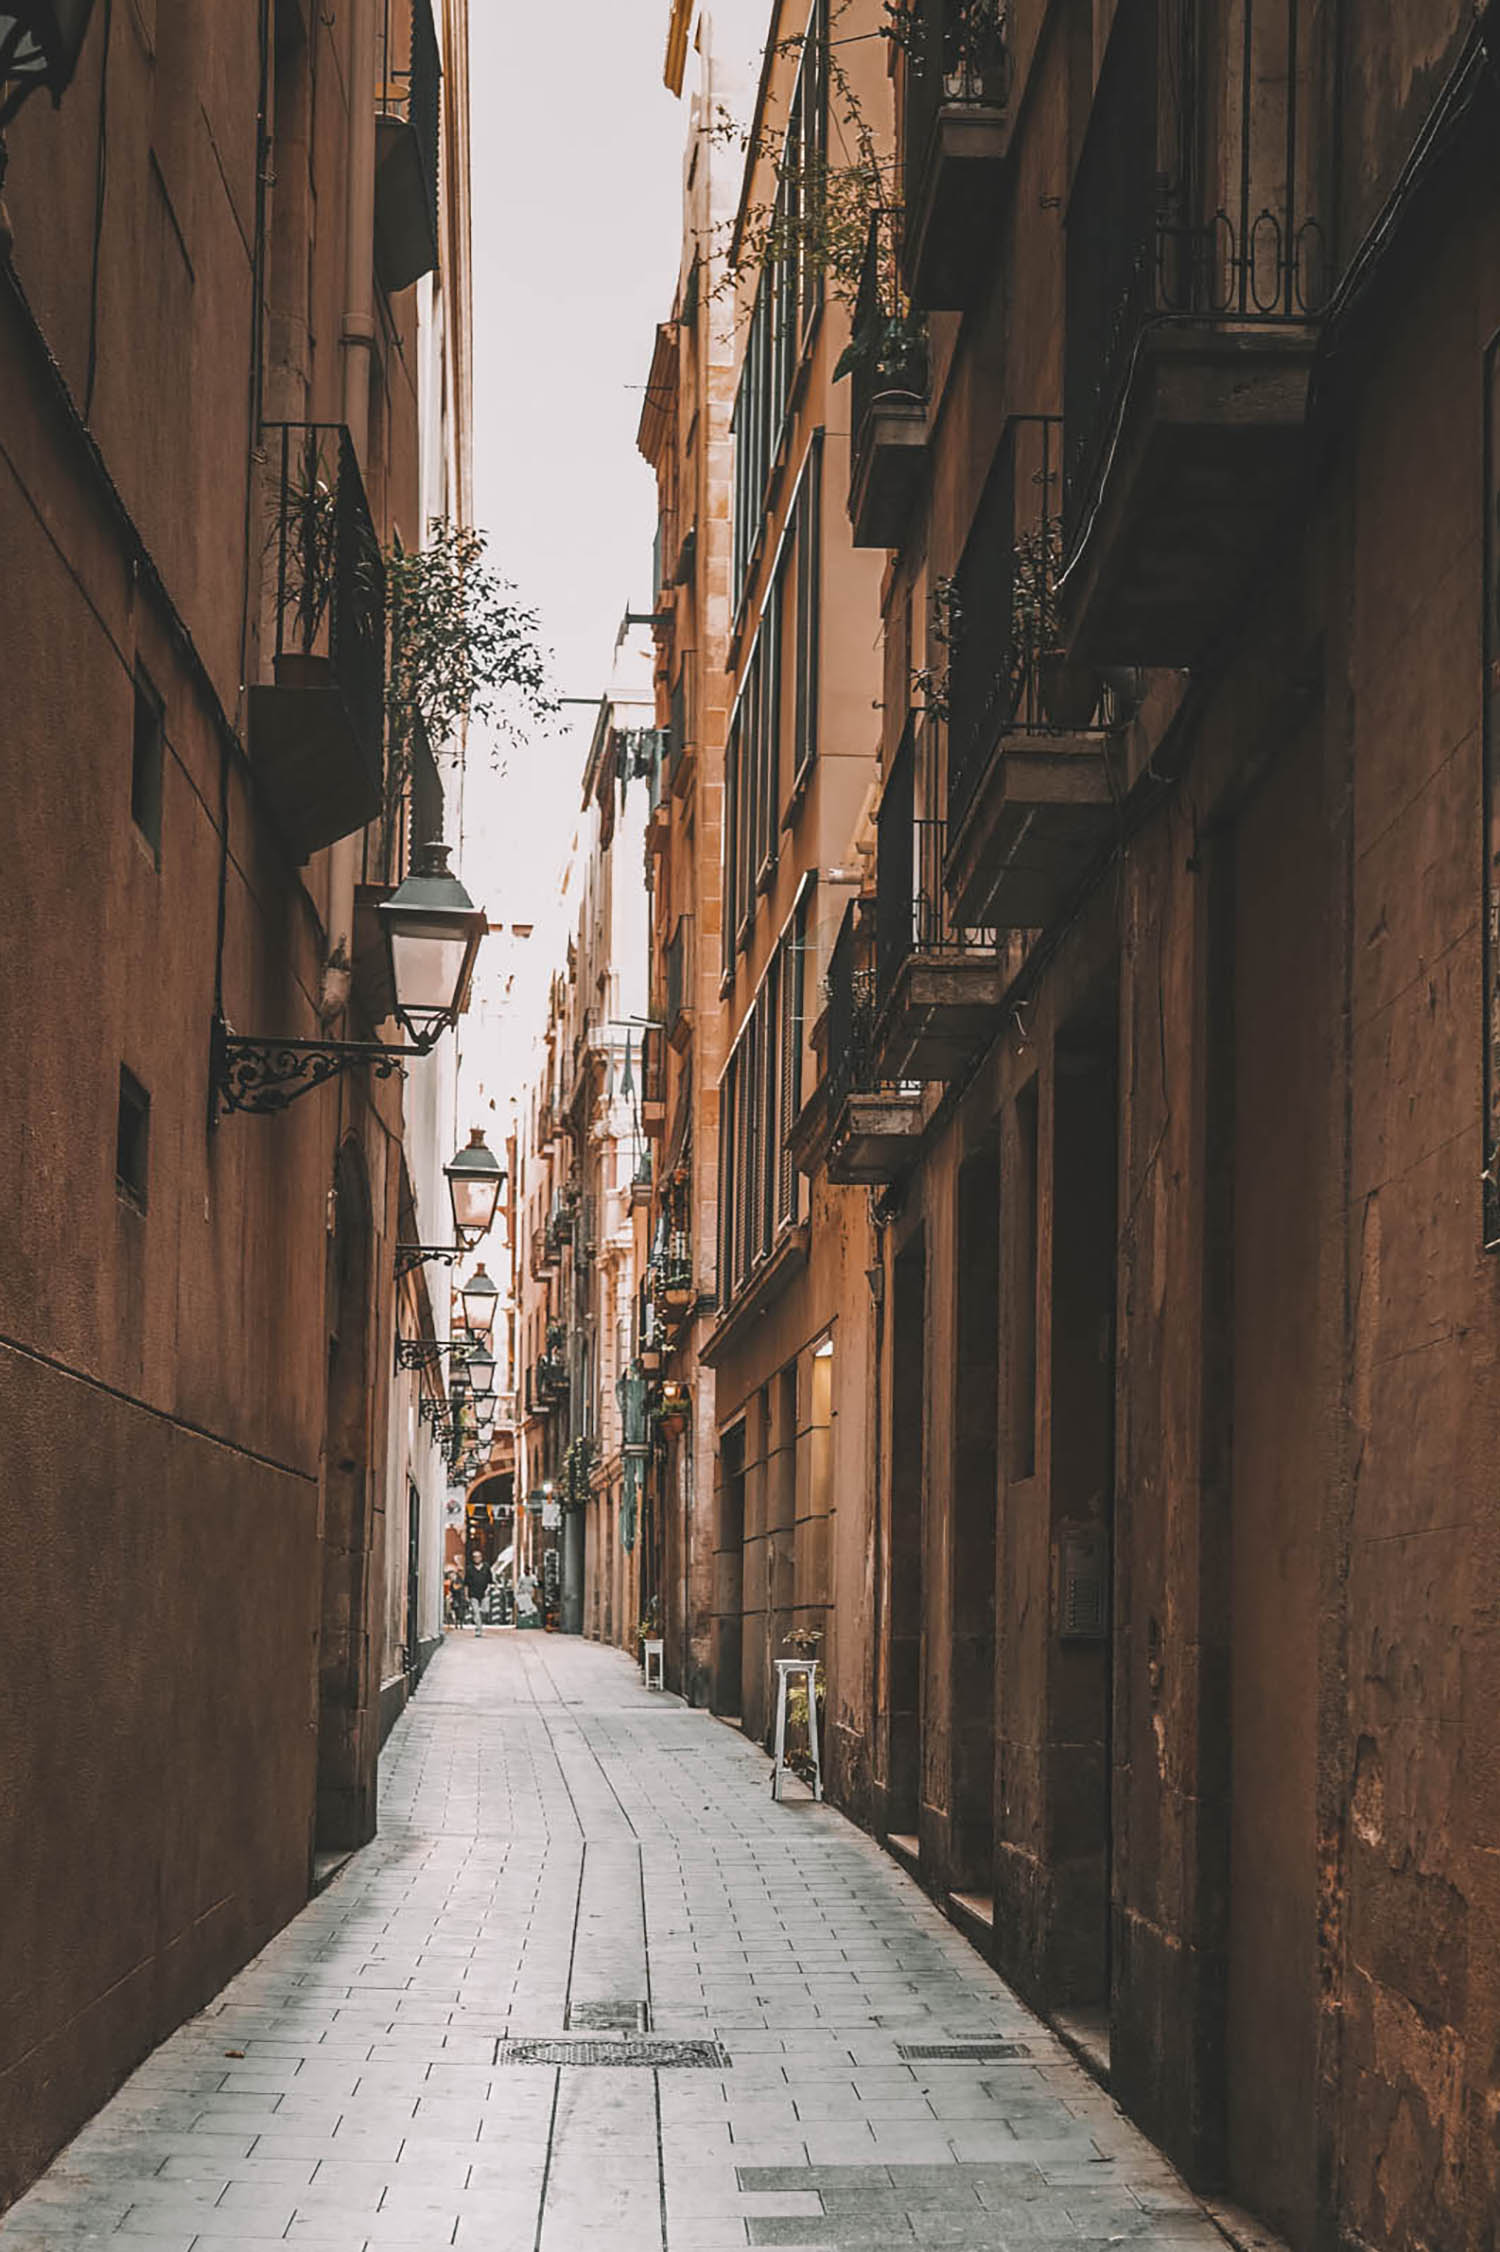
(461, 648)
(931, 684)
(1068, 691)
(975, 52)
(891, 348)
(577, 1470)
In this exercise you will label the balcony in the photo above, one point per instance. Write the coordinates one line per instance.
(679, 1019)
(546, 1384)
(858, 1127)
(317, 728)
(956, 142)
(1192, 304)
(886, 362)
(938, 982)
(683, 731)
(1030, 798)
(407, 135)
(653, 1082)
(658, 792)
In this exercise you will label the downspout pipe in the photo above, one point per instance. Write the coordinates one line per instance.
(356, 342)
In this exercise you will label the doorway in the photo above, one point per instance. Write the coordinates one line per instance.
(412, 1636)
(1082, 1450)
(904, 1612)
(976, 1425)
(1284, 1031)
(348, 1728)
(729, 1575)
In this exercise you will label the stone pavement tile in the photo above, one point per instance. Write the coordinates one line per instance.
(18, 2237)
(372, 2111)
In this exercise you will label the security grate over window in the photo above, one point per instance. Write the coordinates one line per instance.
(660, 2056)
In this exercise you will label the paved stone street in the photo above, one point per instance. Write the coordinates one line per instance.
(561, 1853)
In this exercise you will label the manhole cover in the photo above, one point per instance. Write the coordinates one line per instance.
(959, 2052)
(663, 2056)
(608, 2017)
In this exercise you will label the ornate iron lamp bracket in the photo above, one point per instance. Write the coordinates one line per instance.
(410, 1256)
(427, 1352)
(265, 1076)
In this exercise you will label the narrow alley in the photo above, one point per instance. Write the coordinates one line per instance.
(562, 1854)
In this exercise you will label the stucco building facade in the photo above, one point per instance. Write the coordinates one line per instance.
(1141, 1067)
(214, 300)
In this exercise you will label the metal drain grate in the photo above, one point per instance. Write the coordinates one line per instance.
(960, 2052)
(662, 2056)
(609, 2017)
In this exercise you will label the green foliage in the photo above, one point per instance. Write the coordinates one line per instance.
(817, 219)
(931, 683)
(462, 647)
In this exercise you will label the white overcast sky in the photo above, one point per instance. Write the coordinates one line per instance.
(577, 151)
(577, 173)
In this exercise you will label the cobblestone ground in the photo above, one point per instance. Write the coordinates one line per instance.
(559, 1851)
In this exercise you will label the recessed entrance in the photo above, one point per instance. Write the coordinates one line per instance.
(729, 1574)
(348, 1725)
(1082, 1426)
(976, 1409)
(904, 1608)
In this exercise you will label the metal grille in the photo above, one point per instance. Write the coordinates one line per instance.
(1084, 1591)
(960, 2052)
(660, 2056)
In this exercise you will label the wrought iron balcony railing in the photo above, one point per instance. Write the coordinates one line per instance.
(912, 913)
(319, 726)
(1009, 671)
(678, 965)
(1196, 197)
(850, 985)
(887, 351)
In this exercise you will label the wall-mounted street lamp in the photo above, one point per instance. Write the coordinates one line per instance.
(432, 931)
(475, 1180)
(479, 1295)
(481, 1372)
(40, 42)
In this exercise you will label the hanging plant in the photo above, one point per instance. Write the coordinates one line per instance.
(817, 219)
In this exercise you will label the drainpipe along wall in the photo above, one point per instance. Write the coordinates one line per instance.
(357, 340)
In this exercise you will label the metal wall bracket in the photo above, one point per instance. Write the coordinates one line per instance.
(265, 1076)
(410, 1256)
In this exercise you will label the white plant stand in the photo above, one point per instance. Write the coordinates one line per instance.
(786, 1670)
(654, 1653)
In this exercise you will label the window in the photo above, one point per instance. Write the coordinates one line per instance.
(1024, 1266)
(788, 297)
(775, 704)
(808, 535)
(760, 1095)
(132, 1140)
(146, 764)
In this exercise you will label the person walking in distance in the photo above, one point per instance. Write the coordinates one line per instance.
(479, 1577)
